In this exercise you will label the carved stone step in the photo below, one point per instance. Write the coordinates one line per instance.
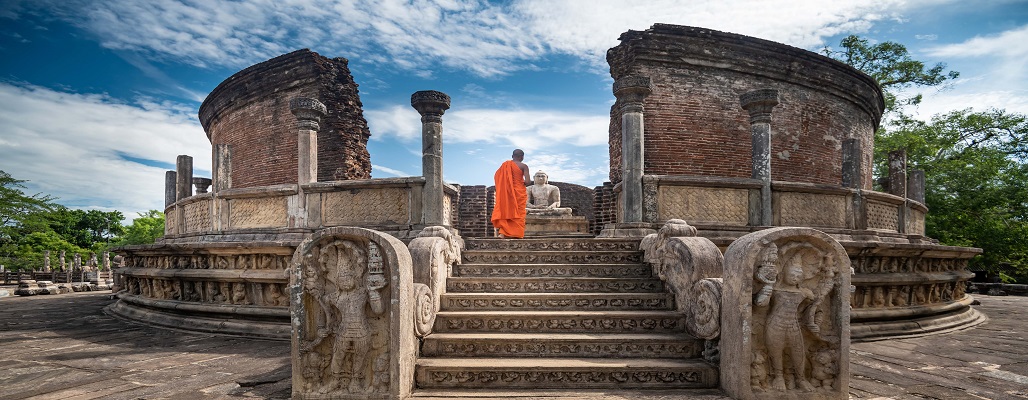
(551, 257)
(552, 244)
(560, 321)
(545, 373)
(676, 345)
(461, 284)
(556, 301)
(554, 270)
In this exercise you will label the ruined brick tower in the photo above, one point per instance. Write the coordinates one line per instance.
(249, 111)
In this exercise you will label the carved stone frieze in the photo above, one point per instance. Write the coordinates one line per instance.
(565, 324)
(623, 302)
(542, 270)
(698, 377)
(367, 206)
(552, 258)
(812, 209)
(585, 349)
(263, 212)
(882, 216)
(704, 205)
(646, 286)
(553, 245)
(198, 216)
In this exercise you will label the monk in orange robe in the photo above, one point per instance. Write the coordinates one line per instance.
(511, 196)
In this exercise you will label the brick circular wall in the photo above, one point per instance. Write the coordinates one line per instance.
(694, 124)
(250, 112)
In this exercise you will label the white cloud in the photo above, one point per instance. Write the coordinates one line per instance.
(73, 146)
(574, 168)
(482, 37)
(387, 170)
(1006, 52)
(526, 129)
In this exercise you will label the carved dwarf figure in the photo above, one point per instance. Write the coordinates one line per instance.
(823, 368)
(544, 198)
(758, 371)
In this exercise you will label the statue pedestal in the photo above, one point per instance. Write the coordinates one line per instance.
(539, 225)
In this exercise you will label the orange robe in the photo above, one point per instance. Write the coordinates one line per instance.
(511, 200)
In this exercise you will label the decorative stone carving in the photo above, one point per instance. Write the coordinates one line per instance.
(352, 312)
(690, 266)
(725, 206)
(433, 252)
(785, 317)
(544, 198)
(308, 112)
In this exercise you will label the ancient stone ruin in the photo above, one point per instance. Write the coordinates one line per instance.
(738, 245)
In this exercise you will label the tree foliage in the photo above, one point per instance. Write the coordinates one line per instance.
(891, 65)
(974, 161)
(145, 229)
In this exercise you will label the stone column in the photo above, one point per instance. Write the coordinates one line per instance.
(222, 176)
(61, 260)
(46, 260)
(898, 184)
(853, 177)
(852, 165)
(308, 114)
(759, 104)
(107, 261)
(630, 92)
(898, 173)
(201, 184)
(915, 185)
(431, 105)
(184, 180)
(170, 182)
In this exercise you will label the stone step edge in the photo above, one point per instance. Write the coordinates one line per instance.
(559, 313)
(559, 363)
(551, 295)
(563, 372)
(562, 336)
(570, 394)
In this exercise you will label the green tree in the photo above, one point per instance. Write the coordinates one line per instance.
(145, 229)
(891, 65)
(15, 204)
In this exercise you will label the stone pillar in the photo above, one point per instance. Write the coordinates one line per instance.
(898, 173)
(107, 261)
(222, 176)
(170, 182)
(898, 184)
(46, 260)
(759, 104)
(915, 185)
(201, 184)
(852, 172)
(61, 260)
(431, 105)
(308, 114)
(184, 180)
(630, 92)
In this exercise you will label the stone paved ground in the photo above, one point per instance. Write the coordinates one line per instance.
(64, 347)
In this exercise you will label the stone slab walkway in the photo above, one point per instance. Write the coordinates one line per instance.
(65, 347)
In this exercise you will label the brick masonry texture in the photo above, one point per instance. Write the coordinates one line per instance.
(694, 124)
(250, 112)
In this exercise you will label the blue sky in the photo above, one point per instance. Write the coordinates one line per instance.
(97, 98)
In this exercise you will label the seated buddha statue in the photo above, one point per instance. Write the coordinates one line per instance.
(544, 198)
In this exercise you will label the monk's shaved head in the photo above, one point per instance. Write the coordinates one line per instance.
(518, 155)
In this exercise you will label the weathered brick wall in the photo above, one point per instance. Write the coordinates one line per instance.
(604, 202)
(250, 112)
(578, 197)
(472, 212)
(694, 124)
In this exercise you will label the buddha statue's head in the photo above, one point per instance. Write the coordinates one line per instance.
(541, 178)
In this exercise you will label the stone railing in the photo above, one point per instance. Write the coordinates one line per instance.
(711, 203)
(391, 205)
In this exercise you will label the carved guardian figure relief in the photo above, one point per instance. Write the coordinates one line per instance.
(342, 283)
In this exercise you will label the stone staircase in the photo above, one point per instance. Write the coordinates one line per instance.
(559, 313)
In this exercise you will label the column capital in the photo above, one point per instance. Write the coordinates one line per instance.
(631, 90)
(431, 104)
(759, 104)
(308, 112)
